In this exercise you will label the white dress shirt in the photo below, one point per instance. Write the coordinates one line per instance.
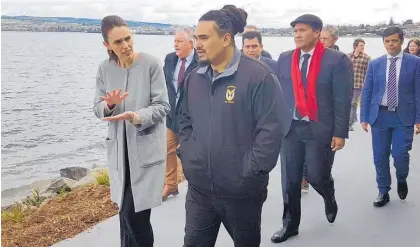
(398, 65)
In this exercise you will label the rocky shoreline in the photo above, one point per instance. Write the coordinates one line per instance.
(70, 179)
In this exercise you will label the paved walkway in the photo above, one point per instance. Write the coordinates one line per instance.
(358, 223)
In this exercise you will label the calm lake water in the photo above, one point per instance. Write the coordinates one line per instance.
(47, 89)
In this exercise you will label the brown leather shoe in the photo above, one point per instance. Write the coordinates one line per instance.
(169, 190)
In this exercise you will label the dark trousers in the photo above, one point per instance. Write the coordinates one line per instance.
(300, 148)
(387, 132)
(135, 228)
(329, 160)
(205, 213)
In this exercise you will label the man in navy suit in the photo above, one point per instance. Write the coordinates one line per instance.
(252, 47)
(177, 65)
(390, 104)
(317, 84)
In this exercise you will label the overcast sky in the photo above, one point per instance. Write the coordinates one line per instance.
(263, 13)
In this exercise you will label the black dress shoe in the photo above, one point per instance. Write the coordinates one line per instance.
(381, 200)
(402, 190)
(283, 234)
(331, 210)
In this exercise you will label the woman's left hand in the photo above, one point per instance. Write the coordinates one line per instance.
(128, 115)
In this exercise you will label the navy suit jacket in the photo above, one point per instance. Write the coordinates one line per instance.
(334, 89)
(169, 68)
(408, 108)
(270, 62)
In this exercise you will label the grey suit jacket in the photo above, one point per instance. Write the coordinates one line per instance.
(334, 90)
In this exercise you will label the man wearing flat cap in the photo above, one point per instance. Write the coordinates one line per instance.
(317, 84)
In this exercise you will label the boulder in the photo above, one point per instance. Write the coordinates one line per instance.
(61, 184)
(98, 166)
(74, 173)
(89, 179)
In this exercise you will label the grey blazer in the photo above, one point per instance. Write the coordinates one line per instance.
(146, 141)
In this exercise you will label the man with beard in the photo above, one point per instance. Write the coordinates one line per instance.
(230, 134)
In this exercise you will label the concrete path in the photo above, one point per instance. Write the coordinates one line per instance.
(358, 223)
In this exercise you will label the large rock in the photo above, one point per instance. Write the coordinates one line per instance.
(89, 179)
(91, 176)
(10, 196)
(62, 184)
(75, 173)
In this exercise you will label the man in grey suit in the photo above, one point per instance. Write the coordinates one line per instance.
(316, 85)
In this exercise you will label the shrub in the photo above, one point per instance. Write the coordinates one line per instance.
(103, 178)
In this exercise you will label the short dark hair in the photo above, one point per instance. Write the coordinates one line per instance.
(393, 30)
(229, 19)
(357, 41)
(252, 35)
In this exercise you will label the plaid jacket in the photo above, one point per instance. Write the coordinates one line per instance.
(360, 66)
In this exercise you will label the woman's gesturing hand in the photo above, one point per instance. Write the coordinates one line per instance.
(115, 97)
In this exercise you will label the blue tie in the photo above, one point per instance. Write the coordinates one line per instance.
(304, 69)
(392, 84)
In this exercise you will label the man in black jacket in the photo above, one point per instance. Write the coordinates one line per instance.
(177, 65)
(230, 134)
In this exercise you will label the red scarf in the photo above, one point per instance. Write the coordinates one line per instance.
(307, 106)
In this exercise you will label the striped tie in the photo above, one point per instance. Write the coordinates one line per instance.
(392, 84)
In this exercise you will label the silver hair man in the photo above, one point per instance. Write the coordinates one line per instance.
(188, 32)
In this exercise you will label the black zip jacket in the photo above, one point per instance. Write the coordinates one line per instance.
(231, 128)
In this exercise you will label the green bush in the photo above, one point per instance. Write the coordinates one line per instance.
(103, 178)
(15, 215)
(34, 200)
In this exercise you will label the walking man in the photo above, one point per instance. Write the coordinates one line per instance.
(230, 134)
(329, 37)
(177, 65)
(252, 46)
(252, 28)
(390, 104)
(360, 61)
(316, 85)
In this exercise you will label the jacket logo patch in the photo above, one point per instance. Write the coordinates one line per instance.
(230, 94)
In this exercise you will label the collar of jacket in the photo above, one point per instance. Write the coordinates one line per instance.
(231, 68)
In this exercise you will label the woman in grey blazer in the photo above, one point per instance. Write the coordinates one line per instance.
(131, 95)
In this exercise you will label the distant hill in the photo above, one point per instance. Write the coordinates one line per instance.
(83, 21)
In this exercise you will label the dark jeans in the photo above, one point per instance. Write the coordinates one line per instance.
(205, 213)
(135, 228)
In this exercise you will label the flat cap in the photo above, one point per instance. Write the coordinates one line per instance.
(314, 21)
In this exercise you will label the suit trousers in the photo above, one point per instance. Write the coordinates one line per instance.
(172, 161)
(387, 132)
(300, 147)
(205, 213)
